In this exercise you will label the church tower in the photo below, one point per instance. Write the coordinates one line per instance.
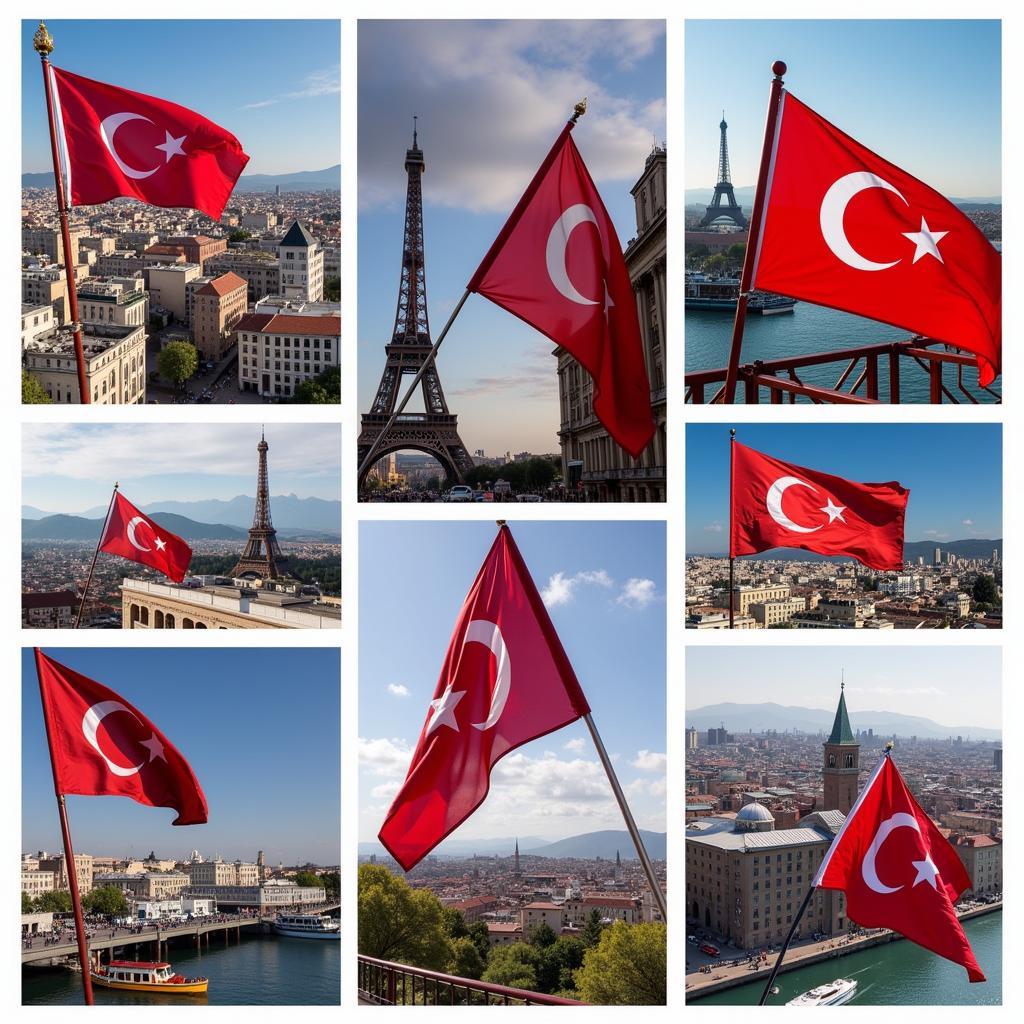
(841, 764)
(517, 859)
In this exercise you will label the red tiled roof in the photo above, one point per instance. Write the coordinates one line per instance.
(223, 285)
(283, 324)
(253, 322)
(161, 250)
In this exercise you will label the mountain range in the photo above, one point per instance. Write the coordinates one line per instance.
(740, 718)
(971, 547)
(290, 512)
(328, 179)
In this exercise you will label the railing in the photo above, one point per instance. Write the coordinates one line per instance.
(864, 367)
(384, 983)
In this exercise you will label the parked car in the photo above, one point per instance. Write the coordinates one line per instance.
(460, 492)
(710, 950)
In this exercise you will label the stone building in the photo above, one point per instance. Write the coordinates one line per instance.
(121, 301)
(982, 856)
(302, 264)
(58, 866)
(277, 352)
(46, 287)
(219, 305)
(48, 609)
(260, 270)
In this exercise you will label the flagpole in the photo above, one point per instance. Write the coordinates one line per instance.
(782, 952)
(578, 111)
(69, 853)
(627, 814)
(753, 234)
(42, 43)
(732, 560)
(95, 554)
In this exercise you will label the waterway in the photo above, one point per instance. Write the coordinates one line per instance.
(809, 329)
(896, 974)
(260, 971)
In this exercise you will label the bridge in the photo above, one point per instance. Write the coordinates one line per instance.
(157, 934)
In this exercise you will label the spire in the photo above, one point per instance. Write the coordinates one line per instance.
(841, 731)
(414, 132)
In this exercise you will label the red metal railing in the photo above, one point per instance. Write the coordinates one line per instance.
(389, 984)
(865, 367)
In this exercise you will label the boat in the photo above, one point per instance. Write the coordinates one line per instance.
(146, 976)
(720, 294)
(840, 991)
(307, 926)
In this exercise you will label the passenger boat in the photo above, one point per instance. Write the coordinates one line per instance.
(840, 991)
(146, 976)
(307, 926)
(721, 293)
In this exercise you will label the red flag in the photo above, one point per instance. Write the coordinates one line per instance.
(123, 143)
(132, 534)
(557, 264)
(505, 681)
(898, 871)
(103, 746)
(778, 505)
(847, 229)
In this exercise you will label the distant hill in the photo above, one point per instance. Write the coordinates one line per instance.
(745, 197)
(297, 181)
(503, 846)
(602, 844)
(972, 547)
(61, 527)
(741, 718)
(31, 512)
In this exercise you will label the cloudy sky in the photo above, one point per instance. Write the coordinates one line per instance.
(72, 467)
(491, 98)
(918, 680)
(604, 586)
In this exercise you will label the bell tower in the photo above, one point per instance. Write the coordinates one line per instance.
(841, 761)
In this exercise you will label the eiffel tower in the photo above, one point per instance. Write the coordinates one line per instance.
(730, 209)
(262, 557)
(436, 431)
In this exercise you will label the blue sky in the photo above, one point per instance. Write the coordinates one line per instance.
(273, 84)
(954, 472)
(491, 98)
(923, 94)
(71, 467)
(927, 681)
(604, 586)
(260, 728)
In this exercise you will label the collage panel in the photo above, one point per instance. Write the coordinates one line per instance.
(238, 904)
(555, 389)
(128, 526)
(844, 818)
(512, 837)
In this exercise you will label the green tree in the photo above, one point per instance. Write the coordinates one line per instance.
(324, 389)
(32, 392)
(239, 235)
(542, 935)
(332, 884)
(558, 964)
(178, 362)
(985, 590)
(332, 289)
(736, 251)
(56, 902)
(397, 922)
(592, 929)
(106, 900)
(454, 923)
(309, 878)
(514, 966)
(626, 968)
(717, 264)
(26, 903)
(481, 939)
(466, 961)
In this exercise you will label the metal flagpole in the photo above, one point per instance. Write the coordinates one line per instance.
(634, 832)
(42, 43)
(754, 234)
(69, 853)
(782, 952)
(732, 560)
(95, 554)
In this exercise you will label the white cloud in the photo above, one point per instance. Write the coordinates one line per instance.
(325, 82)
(398, 690)
(713, 528)
(384, 757)
(656, 788)
(968, 522)
(561, 589)
(576, 744)
(650, 761)
(637, 593)
(386, 790)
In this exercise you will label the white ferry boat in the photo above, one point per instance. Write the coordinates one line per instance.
(840, 991)
(308, 926)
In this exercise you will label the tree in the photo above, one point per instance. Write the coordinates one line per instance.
(332, 884)
(736, 251)
(397, 922)
(985, 590)
(592, 929)
(626, 968)
(32, 392)
(481, 939)
(309, 878)
(466, 961)
(542, 935)
(558, 964)
(717, 264)
(26, 903)
(56, 902)
(107, 901)
(514, 966)
(332, 289)
(239, 235)
(324, 389)
(178, 361)
(454, 923)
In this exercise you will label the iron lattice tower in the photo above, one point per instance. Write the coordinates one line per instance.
(434, 431)
(723, 203)
(262, 557)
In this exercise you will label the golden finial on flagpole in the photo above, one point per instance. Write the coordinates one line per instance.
(579, 110)
(501, 522)
(42, 41)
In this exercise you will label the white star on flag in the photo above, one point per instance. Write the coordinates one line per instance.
(442, 710)
(171, 146)
(926, 240)
(834, 512)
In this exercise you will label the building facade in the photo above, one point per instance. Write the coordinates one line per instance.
(219, 305)
(302, 264)
(277, 352)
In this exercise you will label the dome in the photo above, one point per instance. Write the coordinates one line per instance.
(753, 817)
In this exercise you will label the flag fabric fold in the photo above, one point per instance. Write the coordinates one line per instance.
(102, 745)
(898, 871)
(505, 680)
(557, 265)
(132, 534)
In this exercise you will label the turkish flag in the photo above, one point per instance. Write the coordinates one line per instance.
(776, 504)
(898, 871)
(123, 143)
(505, 681)
(558, 265)
(845, 228)
(132, 534)
(103, 746)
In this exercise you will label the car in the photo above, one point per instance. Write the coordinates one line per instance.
(461, 492)
(710, 950)
(692, 939)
